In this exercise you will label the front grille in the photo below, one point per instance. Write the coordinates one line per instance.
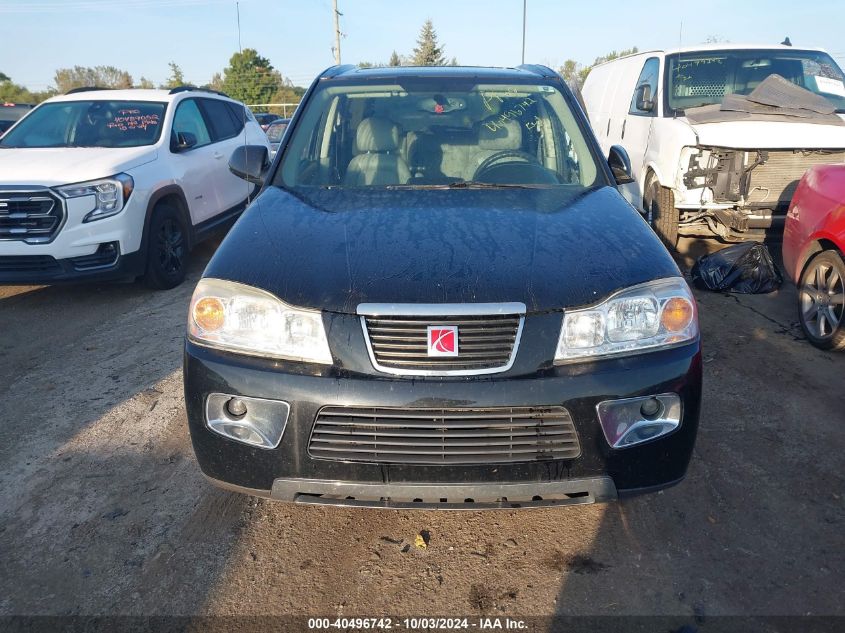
(774, 182)
(444, 436)
(486, 344)
(31, 216)
(28, 264)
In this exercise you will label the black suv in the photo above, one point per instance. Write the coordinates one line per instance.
(441, 299)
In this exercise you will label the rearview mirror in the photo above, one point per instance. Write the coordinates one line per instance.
(249, 162)
(644, 101)
(184, 141)
(620, 165)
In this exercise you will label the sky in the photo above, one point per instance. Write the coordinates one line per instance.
(142, 36)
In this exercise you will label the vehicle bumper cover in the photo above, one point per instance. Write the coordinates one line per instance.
(289, 473)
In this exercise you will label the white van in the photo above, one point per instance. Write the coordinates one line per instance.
(714, 151)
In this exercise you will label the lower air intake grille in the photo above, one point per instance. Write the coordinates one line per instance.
(28, 264)
(444, 436)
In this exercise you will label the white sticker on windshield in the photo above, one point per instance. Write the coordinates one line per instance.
(830, 86)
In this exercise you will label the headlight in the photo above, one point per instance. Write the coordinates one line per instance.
(648, 316)
(110, 194)
(240, 318)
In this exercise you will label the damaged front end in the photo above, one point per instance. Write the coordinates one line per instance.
(739, 194)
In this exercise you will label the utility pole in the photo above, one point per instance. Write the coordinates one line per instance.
(336, 32)
(524, 13)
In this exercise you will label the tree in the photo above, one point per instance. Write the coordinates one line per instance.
(569, 71)
(101, 76)
(13, 93)
(216, 82)
(394, 59)
(5, 77)
(428, 52)
(582, 74)
(145, 83)
(176, 78)
(251, 78)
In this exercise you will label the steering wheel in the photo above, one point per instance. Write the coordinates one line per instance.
(505, 154)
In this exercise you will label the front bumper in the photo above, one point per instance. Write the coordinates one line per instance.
(44, 269)
(289, 473)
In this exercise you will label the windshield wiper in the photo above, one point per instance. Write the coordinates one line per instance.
(466, 184)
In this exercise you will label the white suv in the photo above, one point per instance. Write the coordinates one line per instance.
(119, 184)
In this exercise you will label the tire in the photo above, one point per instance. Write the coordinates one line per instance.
(167, 249)
(821, 301)
(659, 205)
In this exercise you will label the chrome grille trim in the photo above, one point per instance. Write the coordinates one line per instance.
(396, 337)
(32, 216)
(448, 436)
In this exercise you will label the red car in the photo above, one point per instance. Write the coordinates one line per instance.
(813, 247)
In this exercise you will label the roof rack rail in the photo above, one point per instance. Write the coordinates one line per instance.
(538, 69)
(179, 89)
(334, 71)
(85, 89)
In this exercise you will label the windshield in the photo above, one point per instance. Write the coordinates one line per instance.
(89, 124)
(696, 79)
(435, 132)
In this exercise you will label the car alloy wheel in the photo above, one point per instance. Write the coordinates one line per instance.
(171, 246)
(821, 299)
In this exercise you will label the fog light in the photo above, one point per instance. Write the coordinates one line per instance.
(651, 408)
(256, 421)
(237, 407)
(631, 421)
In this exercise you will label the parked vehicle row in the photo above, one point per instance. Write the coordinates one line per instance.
(719, 138)
(719, 135)
(11, 112)
(119, 184)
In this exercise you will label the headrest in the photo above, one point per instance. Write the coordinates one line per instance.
(498, 135)
(377, 135)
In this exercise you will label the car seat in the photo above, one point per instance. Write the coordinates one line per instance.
(377, 161)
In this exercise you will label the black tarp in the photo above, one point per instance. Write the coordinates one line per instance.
(745, 268)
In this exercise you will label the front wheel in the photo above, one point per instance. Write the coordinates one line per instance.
(167, 249)
(659, 205)
(821, 301)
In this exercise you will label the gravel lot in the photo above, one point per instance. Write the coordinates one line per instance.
(103, 509)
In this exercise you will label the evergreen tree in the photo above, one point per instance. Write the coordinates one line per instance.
(251, 78)
(428, 52)
(177, 78)
(394, 59)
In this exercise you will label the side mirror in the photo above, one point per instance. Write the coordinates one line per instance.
(184, 141)
(620, 165)
(249, 162)
(644, 101)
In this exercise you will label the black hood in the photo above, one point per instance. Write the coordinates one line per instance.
(334, 249)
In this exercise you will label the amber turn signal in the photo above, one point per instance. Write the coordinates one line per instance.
(677, 314)
(209, 314)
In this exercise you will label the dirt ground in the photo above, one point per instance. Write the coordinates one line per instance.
(103, 509)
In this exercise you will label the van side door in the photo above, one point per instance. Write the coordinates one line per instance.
(639, 122)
